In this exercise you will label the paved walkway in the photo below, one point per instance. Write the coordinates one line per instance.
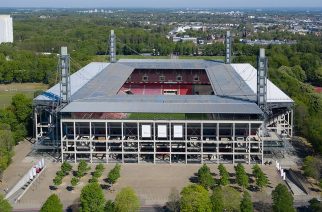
(152, 183)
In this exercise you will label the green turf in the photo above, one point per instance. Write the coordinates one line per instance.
(167, 116)
(104, 58)
(7, 91)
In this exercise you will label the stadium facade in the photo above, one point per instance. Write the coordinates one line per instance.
(162, 111)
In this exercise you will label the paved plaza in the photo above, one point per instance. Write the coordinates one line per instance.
(152, 183)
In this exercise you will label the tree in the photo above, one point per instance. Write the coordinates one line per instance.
(224, 175)
(282, 199)
(127, 201)
(315, 205)
(82, 169)
(241, 176)
(57, 180)
(4, 205)
(260, 177)
(312, 167)
(246, 204)
(74, 181)
(256, 170)
(261, 180)
(173, 203)
(92, 198)
(66, 168)
(22, 107)
(204, 177)
(6, 146)
(217, 200)
(52, 204)
(109, 206)
(114, 174)
(194, 198)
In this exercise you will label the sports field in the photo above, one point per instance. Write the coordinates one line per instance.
(7, 91)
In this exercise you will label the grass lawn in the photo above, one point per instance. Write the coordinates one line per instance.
(7, 91)
(166, 116)
(104, 58)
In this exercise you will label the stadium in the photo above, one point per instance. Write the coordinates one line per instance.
(163, 111)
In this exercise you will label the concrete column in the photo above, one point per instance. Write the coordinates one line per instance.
(201, 141)
(61, 140)
(122, 140)
(233, 138)
(186, 139)
(106, 144)
(75, 150)
(90, 142)
(36, 124)
(249, 130)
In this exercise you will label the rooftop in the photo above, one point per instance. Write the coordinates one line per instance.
(94, 88)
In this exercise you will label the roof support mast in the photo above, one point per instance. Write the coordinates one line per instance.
(228, 46)
(262, 80)
(262, 85)
(112, 47)
(64, 67)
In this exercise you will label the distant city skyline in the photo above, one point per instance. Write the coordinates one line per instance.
(162, 4)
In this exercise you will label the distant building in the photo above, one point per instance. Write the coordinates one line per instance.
(6, 29)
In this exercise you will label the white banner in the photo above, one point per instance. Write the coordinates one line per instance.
(162, 131)
(146, 131)
(177, 131)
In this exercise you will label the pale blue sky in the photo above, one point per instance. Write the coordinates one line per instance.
(161, 3)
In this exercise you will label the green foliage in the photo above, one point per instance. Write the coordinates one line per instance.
(217, 200)
(82, 169)
(315, 205)
(256, 170)
(98, 171)
(52, 204)
(231, 198)
(4, 204)
(224, 175)
(205, 178)
(58, 180)
(74, 181)
(6, 148)
(261, 179)
(60, 173)
(241, 176)
(194, 198)
(127, 201)
(66, 168)
(246, 204)
(22, 107)
(114, 174)
(92, 198)
(282, 199)
(93, 180)
(109, 206)
(312, 167)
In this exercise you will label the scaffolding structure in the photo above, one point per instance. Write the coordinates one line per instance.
(152, 141)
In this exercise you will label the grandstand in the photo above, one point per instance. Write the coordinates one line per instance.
(162, 111)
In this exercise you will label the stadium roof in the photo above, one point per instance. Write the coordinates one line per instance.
(95, 88)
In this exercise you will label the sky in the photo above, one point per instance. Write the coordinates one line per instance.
(162, 3)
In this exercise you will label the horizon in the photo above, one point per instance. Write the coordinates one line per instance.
(166, 4)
